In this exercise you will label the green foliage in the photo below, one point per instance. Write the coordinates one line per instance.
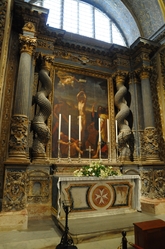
(97, 169)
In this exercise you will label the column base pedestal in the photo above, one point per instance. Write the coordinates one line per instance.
(154, 206)
(17, 220)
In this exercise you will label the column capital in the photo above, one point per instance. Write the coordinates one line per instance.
(27, 44)
(119, 76)
(133, 78)
(144, 72)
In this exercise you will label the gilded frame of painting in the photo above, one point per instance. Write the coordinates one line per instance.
(89, 94)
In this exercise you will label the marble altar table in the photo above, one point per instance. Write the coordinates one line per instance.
(93, 196)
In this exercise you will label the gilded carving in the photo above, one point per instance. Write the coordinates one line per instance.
(153, 183)
(145, 56)
(84, 59)
(121, 62)
(29, 27)
(146, 180)
(19, 132)
(150, 142)
(144, 72)
(27, 44)
(14, 192)
(45, 44)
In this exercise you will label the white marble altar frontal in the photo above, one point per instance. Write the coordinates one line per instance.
(93, 196)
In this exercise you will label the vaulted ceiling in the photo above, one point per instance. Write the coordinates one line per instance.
(135, 17)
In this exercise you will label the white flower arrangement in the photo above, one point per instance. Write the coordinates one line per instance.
(97, 169)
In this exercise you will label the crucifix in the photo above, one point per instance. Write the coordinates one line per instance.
(90, 150)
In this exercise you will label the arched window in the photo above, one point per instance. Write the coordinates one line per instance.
(81, 18)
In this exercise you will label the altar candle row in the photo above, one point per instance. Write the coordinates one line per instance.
(99, 129)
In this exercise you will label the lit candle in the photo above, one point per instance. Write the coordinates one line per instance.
(69, 131)
(59, 126)
(116, 131)
(79, 128)
(108, 130)
(99, 131)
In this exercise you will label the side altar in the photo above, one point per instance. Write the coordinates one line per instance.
(94, 196)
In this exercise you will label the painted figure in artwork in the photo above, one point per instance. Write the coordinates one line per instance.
(64, 145)
(81, 98)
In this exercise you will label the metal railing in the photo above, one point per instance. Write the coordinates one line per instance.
(125, 242)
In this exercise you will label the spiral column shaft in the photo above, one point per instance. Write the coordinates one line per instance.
(39, 127)
(124, 129)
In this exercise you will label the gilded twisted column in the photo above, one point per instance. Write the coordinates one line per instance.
(125, 138)
(150, 139)
(19, 124)
(39, 127)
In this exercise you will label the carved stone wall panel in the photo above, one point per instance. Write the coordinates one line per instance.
(19, 134)
(153, 183)
(38, 186)
(14, 198)
(150, 143)
(8, 95)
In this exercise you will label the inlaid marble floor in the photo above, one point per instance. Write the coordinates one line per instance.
(44, 234)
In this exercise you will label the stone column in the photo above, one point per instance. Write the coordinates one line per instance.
(149, 143)
(20, 119)
(136, 108)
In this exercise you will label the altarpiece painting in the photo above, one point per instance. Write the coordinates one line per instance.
(80, 114)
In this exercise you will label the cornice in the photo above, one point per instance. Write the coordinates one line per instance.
(24, 12)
